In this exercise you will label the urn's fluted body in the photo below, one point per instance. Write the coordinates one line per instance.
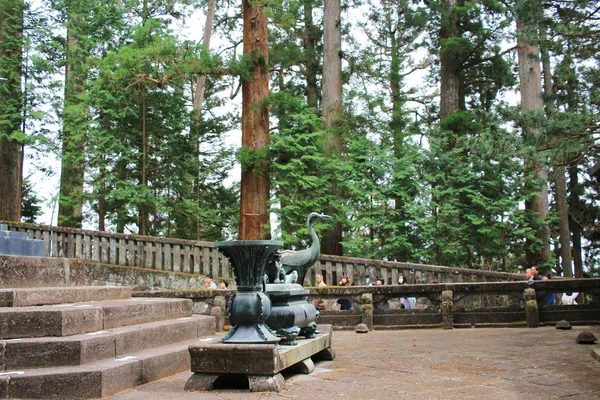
(250, 306)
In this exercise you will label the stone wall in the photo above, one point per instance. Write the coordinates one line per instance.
(202, 258)
(464, 305)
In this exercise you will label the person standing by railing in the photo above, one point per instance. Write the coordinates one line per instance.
(345, 304)
(406, 302)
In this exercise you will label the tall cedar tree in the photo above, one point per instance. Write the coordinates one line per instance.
(332, 108)
(529, 18)
(255, 183)
(11, 108)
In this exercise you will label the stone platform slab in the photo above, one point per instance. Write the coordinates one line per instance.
(18, 272)
(24, 297)
(94, 346)
(77, 318)
(262, 364)
(97, 379)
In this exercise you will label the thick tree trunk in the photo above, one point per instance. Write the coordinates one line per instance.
(255, 184)
(201, 81)
(563, 220)
(11, 54)
(70, 203)
(143, 212)
(197, 114)
(531, 101)
(310, 56)
(449, 64)
(332, 105)
(560, 183)
(576, 191)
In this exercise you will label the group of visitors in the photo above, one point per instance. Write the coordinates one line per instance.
(533, 274)
(346, 304)
(209, 283)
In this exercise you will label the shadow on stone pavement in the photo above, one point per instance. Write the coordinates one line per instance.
(482, 363)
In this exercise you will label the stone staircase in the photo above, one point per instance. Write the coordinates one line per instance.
(76, 342)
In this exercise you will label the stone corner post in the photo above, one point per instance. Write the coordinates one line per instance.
(367, 310)
(447, 309)
(531, 308)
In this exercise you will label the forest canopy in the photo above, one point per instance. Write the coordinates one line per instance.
(465, 132)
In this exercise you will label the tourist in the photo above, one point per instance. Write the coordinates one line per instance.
(319, 280)
(528, 274)
(568, 299)
(536, 274)
(406, 302)
(209, 283)
(320, 304)
(223, 285)
(345, 304)
(551, 296)
(378, 282)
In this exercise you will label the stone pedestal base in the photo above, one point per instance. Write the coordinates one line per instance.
(212, 362)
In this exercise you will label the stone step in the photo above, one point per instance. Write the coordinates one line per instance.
(77, 318)
(23, 297)
(98, 379)
(112, 343)
(18, 272)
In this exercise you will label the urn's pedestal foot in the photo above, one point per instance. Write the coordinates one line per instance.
(327, 354)
(262, 383)
(305, 367)
(256, 383)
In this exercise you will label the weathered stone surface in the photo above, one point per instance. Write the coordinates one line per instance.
(142, 278)
(586, 337)
(55, 352)
(531, 308)
(258, 383)
(48, 321)
(447, 309)
(154, 334)
(563, 324)
(138, 311)
(7, 297)
(16, 272)
(305, 367)
(24, 297)
(200, 382)
(325, 355)
(215, 357)
(164, 361)
(95, 380)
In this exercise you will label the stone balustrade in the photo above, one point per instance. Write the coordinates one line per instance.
(198, 257)
(446, 305)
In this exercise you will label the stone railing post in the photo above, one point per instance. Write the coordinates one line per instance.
(218, 311)
(447, 309)
(367, 310)
(531, 308)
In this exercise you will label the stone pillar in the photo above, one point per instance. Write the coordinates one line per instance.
(447, 310)
(218, 311)
(531, 308)
(367, 310)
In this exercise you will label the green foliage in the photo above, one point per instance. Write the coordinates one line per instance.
(299, 171)
(30, 203)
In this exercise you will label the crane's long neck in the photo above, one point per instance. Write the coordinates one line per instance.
(315, 245)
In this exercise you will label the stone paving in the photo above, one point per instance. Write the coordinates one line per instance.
(482, 363)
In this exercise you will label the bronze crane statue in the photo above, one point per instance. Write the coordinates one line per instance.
(301, 260)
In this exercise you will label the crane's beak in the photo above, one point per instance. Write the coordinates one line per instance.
(324, 216)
